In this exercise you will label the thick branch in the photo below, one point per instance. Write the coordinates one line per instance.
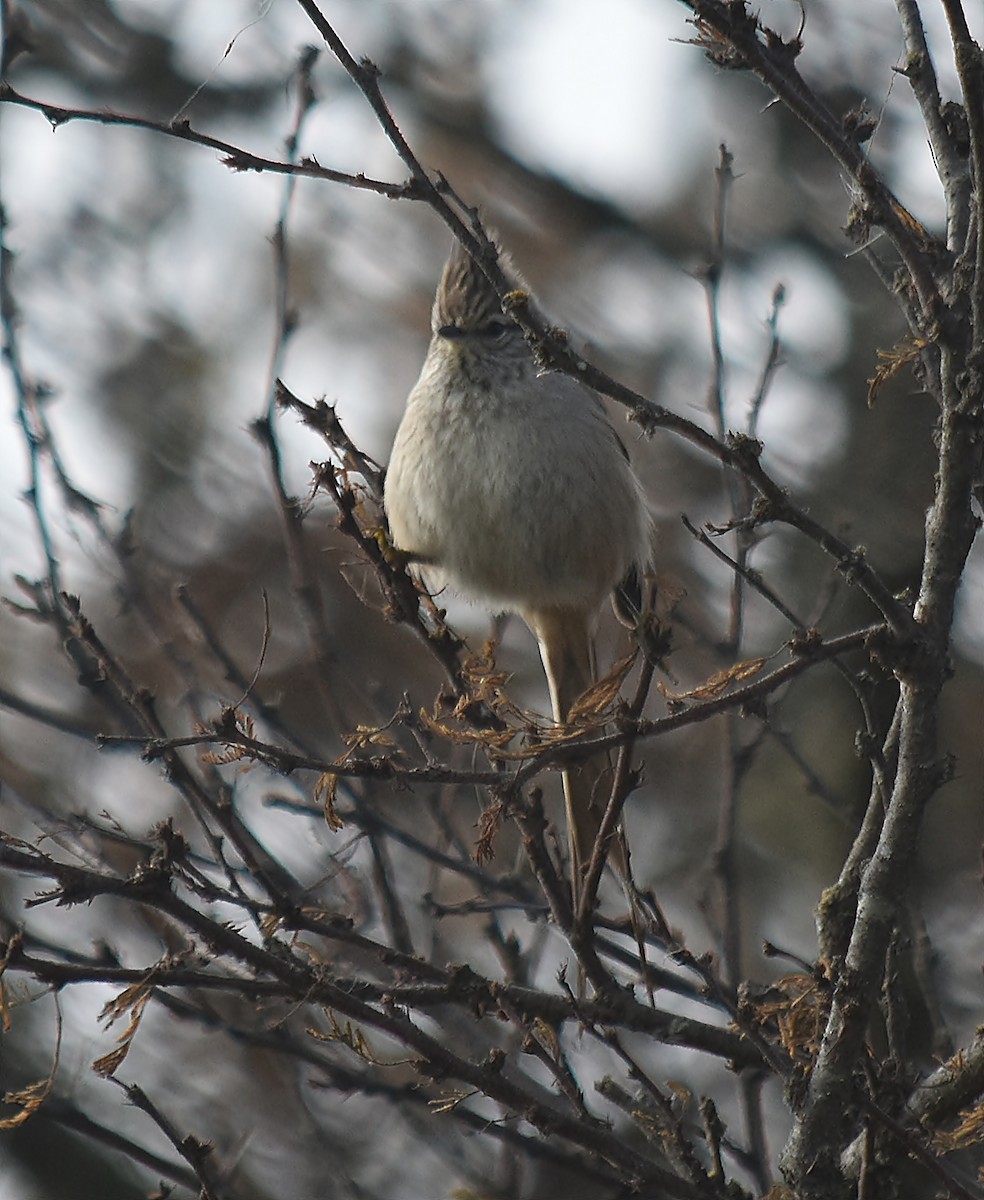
(950, 165)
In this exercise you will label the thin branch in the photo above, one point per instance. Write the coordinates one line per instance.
(771, 58)
(235, 157)
(711, 279)
(45, 716)
(437, 1060)
(305, 588)
(140, 703)
(225, 731)
(751, 577)
(60, 1112)
(284, 318)
(195, 1153)
(452, 986)
(772, 362)
(622, 785)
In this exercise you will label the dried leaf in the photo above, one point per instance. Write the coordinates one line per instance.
(450, 1101)
(347, 1035)
(464, 734)
(134, 1000)
(488, 828)
(797, 1006)
(718, 682)
(722, 52)
(485, 682)
(546, 1035)
(243, 723)
(109, 1063)
(215, 758)
(901, 355)
(601, 695)
(12, 945)
(270, 923)
(369, 735)
(970, 1131)
(31, 1098)
(910, 223)
(324, 794)
(681, 1091)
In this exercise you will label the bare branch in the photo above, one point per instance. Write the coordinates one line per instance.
(950, 164)
(235, 158)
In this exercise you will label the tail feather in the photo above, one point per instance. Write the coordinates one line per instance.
(567, 650)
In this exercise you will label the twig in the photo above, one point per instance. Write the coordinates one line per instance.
(772, 362)
(284, 318)
(140, 703)
(195, 1153)
(439, 989)
(622, 785)
(711, 279)
(226, 732)
(750, 576)
(773, 60)
(65, 1115)
(435, 1058)
(235, 157)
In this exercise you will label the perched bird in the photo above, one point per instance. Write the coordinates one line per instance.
(510, 486)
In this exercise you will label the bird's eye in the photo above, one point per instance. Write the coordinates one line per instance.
(498, 327)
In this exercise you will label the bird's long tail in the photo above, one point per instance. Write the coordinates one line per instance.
(567, 650)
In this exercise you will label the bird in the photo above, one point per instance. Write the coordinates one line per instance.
(510, 486)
